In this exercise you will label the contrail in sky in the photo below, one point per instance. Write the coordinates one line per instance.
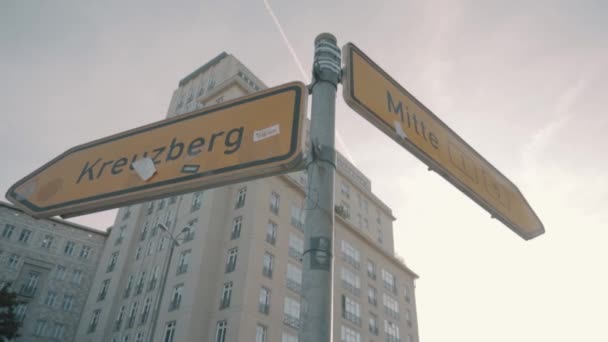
(302, 71)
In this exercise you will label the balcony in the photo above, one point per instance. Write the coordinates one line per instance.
(294, 286)
(292, 321)
(264, 308)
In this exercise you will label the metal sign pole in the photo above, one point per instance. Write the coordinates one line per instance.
(318, 231)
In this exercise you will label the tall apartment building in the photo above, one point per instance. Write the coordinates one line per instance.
(50, 264)
(232, 255)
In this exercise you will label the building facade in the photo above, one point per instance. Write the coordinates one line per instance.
(228, 268)
(50, 264)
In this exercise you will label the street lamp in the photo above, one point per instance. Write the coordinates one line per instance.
(165, 274)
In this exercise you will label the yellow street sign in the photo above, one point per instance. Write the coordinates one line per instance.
(250, 137)
(385, 103)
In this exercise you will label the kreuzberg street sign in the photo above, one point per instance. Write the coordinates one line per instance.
(249, 137)
(381, 100)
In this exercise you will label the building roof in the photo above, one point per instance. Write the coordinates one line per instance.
(64, 222)
(203, 68)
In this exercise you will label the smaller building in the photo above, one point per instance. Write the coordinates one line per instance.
(50, 264)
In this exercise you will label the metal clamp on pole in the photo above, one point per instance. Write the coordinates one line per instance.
(315, 311)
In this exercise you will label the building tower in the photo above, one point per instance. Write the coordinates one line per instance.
(229, 267)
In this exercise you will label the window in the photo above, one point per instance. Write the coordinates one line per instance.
(274, 203)
(155, 224)
(349, 335)
(260, 333)
(112, 263)
(69, 248)
(389, 281)
(172, 200)
(126, 213)
(264, 301)
(58, 331)
(150, 248)
(371, 269)
(132, 315)
(161, 205)
(373, 324)
(289, 338)
(372, 295)
(103, 290)
(183, 261)
(296, 247)
(146, 311)
(406, 293)
(294, 278)
(296, 216)
(8, 231)
(391, 306)
(351, 281)
(168, 218)
(268, 262)
(47, 241)
(193, 225)
(240, 198)
(237, 222)
(169, 331)
(20, 311)
(77, 276)
(68, 302)
(271, 233)
(231, 260)
(25, 235)
(138, 252)
(60, 272)
(351, 310)
(176, 297)
(197, 201)
(408, 317)
(291, 311)
(139, 288)
(121, 316)
(13, 261)
(144, 231)
(139, 337)
(226, 295)
(50, 299)
(40, 329)
(121, 235)
(221, 329)
(31, 285)
(350, 254)
(129, 286)
(94, 320)
(85, 252)
(162, 242)
(392, 331)
(345, 189)
(365, 224)
(153, 279)
(150, 208)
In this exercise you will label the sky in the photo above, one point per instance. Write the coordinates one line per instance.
(523, 82)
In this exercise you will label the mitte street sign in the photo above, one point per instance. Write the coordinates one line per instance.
(385, 103)
(250, 137)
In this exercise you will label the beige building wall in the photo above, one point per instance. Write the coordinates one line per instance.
(50, 264)
(234, 220)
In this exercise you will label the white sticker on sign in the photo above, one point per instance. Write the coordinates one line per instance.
(266, 133)
(399, 130)
(144, 168)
